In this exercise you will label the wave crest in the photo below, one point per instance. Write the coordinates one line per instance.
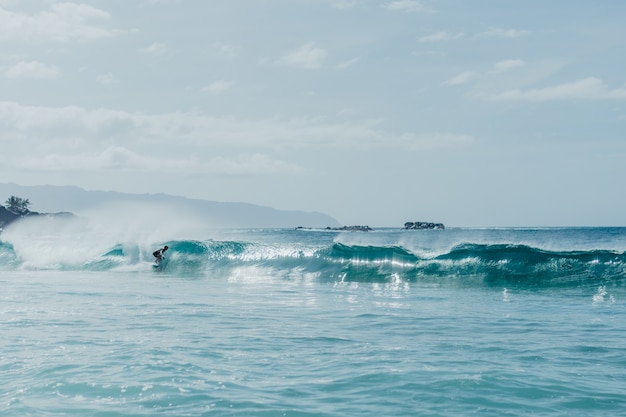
(467, 264)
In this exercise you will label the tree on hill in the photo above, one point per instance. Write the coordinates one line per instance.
(17, 205)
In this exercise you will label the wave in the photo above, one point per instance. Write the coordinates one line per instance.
(486, 264)
(467, 264)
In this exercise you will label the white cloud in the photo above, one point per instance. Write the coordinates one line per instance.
(226, 50)
(106, 79)
(348, 63)
(441, 36)
(76, 129)
(492, 33)
(503, 33)
(62, 22)
(462, 78)
(590, 88)
(506, 65)
(60, 123)
(81, 126)
(217, 87)
(32, 69)
(117, 158)
(306, 56)
(534, 74)
(255, 164)
(426, 53)
(407, 6)
(156, 49)
(112, 158)
(434, 140)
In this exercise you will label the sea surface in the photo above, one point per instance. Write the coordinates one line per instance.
(285, 322)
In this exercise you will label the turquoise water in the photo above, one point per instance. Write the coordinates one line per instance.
(494, 322)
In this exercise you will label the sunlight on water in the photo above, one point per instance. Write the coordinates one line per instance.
(505, 296)
(601, 296)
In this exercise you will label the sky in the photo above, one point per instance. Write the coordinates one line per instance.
(378, 112)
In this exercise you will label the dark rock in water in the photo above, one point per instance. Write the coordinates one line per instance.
(340, 229)
(351, 228)
(423, 225)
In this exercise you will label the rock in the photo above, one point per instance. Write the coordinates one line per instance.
(351, 228)
(340, 229)
(423, 225)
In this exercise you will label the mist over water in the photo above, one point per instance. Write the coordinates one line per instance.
(56, 242)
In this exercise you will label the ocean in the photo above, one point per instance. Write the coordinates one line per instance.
(285, 322)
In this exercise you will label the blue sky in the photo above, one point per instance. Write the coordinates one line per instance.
(486, 113)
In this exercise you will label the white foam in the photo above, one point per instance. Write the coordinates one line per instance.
(43, 242)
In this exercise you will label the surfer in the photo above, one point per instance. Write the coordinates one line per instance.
(158, 254)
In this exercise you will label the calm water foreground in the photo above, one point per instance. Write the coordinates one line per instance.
(102, 344)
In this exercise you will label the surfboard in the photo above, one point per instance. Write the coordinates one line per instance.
(159, 265)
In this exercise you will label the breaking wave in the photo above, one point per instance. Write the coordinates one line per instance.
(466, 264)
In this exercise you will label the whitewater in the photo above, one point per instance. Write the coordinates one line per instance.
(286, 322)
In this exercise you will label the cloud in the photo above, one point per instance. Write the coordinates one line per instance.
(106, 79)
(426, 53)
(156, 49)
(112, 158)
(63, 22)
(117, 158)
(590, 88)
(492, 33)
(226, 50)
(255, 164)
(306, 56)
(217, 87)
(65, 123)
(407, 6)
(348, 63)
(32, 69)
(506, 65)
(462, 78)
(497, 68)
(75, 130)
(434, 140)
(441, 36)
(81, 126)
(503, 33)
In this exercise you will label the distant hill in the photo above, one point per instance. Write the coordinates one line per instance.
(48, 198)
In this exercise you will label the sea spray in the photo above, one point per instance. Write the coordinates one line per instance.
(286, 254)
